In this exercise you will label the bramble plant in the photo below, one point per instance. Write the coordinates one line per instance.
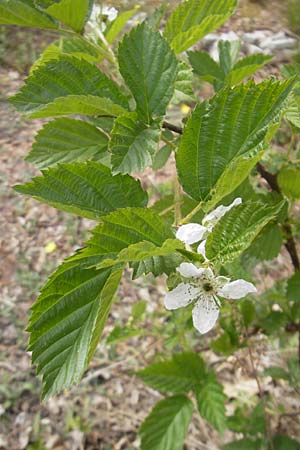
(232, 205)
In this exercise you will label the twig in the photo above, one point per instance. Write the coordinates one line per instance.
(172, 127)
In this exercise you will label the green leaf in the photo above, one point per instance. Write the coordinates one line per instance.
(138, 310)
(119, 334)
(115, 27)
(87, 189)
(128, 226)
(205, 66)
(141, 251)
(133, 143)
(246, 67)
(69, 86)
(152, 85)
(67, 140)
(67, 321)
(192, 20)
(276, 372)
(293, 288)
(75, 46)
(167, 424)
(289, 181)
(154, 19)
(180, 374)
(265, 246)
(228, 54)
(24, 13)
(161, 157)
(248, 312)
(237, 229)
(293, 113)
(233, 124)
(183, 85)
(70, 12)
(210, 402)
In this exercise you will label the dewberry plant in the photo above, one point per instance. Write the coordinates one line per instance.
(105, 84)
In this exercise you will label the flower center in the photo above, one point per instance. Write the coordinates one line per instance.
(207, 287)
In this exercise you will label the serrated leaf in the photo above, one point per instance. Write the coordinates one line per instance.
(133, 143)
(246, 67)
(192, 20)
(289, 182)
(115, 27)
(75, 46)
(180, 374)
(24, 13)
(293, 112)
(69, 86)
(205, 66)
(284, 442)
(70, 12)
(87, 189)
(237, 229)
(67, 140)
(211, 402)
(141, 251)
(161, 157)
(233, 124)
(167, 424)
(152, 85)
(293, 288)
(243, 444)
(154, 19)
(265, 246)
(128, 226)
(67, 321)
(228, 54)
(183, 84)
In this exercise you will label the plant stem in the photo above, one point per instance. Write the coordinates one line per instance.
(177, 198)
(172, 127)
(191, 214)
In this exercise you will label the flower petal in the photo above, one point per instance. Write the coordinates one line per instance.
(215, 215)
(201, 250)
(205, 314)
(237, 289)
(189, 270)
(181, 296)
(191, 233)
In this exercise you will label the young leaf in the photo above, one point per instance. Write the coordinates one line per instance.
(133, 143)
(192, 20)
(115, 27)
(265, 246)
(67, 321)
(183, 84)
(247, 66)
(238, 119)
(70, 12)
(69, 86)
(228, 54)
(152, 85)
(24, 13)
(237, 229)
(210, 401)
(67, 140)
(87, 189)
(167, 424)
(180, 374)
(205, 66)
(141, 251)
(289, 182)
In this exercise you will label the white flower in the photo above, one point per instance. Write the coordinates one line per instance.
(98, 13)
(193, 232)
(204, 288)
(110, 12)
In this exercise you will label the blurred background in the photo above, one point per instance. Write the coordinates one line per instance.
(105, 410)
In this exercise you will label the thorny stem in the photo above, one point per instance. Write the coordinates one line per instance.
(261, 394)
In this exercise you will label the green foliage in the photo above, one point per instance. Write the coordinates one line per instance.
(67, 140)
(181, 374)
(152, 86)
(117, 25)
(237, 229)
(244, 444)
(289, 181)
(293, 288)
(210, 402)
(183, 84)
(70, 12)
(166, 426)
(87, 189)
(24, 13)
(73, 86)
(240, 119)
(67, 321)
(192, 20)
(265, 246)
(133, 143)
